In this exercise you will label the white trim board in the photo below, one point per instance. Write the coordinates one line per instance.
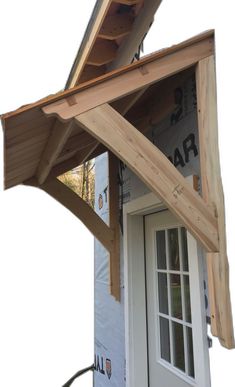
(134, 284)
(135, 291)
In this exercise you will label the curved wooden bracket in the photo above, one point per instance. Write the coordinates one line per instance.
(79, 208)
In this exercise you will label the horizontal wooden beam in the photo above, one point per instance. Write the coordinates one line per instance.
(212, 191)
(154, 169)
(80, 209)
(149, 71)
(60, 134)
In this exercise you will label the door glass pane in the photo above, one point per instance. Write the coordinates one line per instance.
(190, 352)
(176, 302)
(173, 249)
(165, 341)
(184, 248)
(178, 345)
(162, 293)
(161, 249)
(187, 299)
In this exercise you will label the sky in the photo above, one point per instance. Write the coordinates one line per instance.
(46, 276)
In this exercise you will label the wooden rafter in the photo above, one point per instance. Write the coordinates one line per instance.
(125, 104)
(148, 71)
(103, 52)
(92, 37)
(154, 169)
(74, 162)
(60, 134)
(85, 154)
(116, 26)
(138, 32)
(212, 192)
(157, 102)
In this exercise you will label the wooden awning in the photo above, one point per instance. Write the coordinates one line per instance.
(51, 136)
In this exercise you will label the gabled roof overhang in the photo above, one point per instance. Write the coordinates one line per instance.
(113, 37)
(91, 119)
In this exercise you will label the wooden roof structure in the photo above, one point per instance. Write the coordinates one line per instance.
(58, 133)
(113, 36)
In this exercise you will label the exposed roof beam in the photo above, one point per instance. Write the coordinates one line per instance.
(139, 30)
(116, 26)
(128, 80)
(154, 169)
(60, 134)
(103, 52)
(73, 162)
(125, 104)
(159, 101)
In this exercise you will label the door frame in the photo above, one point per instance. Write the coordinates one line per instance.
(134, 288)
(136, 343)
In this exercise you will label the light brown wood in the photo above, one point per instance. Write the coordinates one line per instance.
(157, 102)
(92, 36)
(86, 153)
(27, 143)
(91, 72)
(73, 162)
(114, 225)
(103, 52)
(139, 30)
(63, 167)
(128, 2)
(60, 134)
(116, 26)
(31, 113)
(79, 208)
(153, 69)
(77, 143)
(212, 191)
(125, 104)
(154, 169)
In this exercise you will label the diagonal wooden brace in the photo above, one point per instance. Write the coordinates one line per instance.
(154, 169)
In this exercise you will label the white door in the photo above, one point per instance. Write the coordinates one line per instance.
(176, 322)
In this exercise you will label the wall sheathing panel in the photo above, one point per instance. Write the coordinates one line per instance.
(177, 137)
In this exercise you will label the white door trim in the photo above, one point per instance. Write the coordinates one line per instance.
(134, 284)
(135, 292)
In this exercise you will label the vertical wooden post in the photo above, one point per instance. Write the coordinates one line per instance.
(114, 225)
(212, 192)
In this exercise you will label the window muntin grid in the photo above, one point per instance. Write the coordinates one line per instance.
(174, 308)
